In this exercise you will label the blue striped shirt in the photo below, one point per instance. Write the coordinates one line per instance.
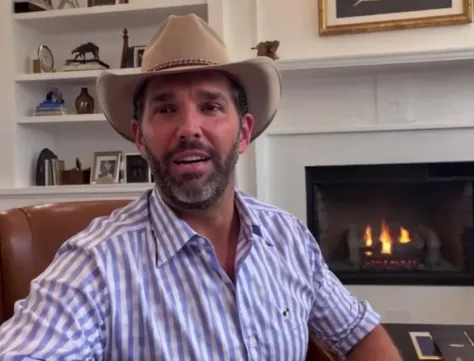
(140, 284)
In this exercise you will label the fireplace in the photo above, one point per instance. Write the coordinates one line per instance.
(394, 224)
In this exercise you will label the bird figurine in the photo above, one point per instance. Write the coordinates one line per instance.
(267, 48)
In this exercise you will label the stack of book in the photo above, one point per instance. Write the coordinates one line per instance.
(47, 108)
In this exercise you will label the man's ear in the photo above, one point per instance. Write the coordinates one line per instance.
(138, 136)
(246, 132)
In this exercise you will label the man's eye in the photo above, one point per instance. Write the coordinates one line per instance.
(211, 107)
(163, 110)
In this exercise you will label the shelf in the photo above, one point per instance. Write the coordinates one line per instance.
(54, 119)
(385, 61)
(134, 189)
(70, 76)
(394, 127)
(108, 17)
(370, 63)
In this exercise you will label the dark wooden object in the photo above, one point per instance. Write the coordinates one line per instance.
(124, 62)
(75, 176)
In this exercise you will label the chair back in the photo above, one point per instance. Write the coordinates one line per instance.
(31, 236)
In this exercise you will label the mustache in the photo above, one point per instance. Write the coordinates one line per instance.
(192, 145)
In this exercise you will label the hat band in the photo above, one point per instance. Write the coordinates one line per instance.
(182, 62)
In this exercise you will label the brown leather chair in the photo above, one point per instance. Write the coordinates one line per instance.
(31, 236)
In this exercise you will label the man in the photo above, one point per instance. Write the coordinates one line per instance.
(193, 269)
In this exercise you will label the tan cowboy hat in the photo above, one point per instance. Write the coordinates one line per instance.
(184, 44)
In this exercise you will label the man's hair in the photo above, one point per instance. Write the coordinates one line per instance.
(238, 97)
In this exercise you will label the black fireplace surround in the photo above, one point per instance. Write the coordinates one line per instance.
(394, 224)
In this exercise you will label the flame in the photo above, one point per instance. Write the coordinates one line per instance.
(385, 237)
(404, 236)
(368, 236)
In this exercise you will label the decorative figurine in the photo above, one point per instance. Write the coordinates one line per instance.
(52, 105)
(124, 62)
(268, 48)
(80, 61)
(83, 49)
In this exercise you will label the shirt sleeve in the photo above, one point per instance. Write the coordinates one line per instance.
(337, 317)
(63, 316)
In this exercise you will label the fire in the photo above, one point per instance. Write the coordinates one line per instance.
(386, 238)
(404, 236)
(368, 236)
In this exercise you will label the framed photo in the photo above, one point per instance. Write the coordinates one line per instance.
(106, 167)
(91, 3)
(337, 17)
(425, 347)
(138, 56)
(136, 169)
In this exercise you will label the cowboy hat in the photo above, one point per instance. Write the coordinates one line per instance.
(185, 44)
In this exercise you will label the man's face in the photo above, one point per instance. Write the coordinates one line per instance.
(191, 134)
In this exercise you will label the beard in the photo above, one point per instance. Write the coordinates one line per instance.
(193, 190)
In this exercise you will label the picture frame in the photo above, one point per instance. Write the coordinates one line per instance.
(91, 3)
(106, 167)
(138, 55)
(341, 17)
(424, 346)
(135, 169)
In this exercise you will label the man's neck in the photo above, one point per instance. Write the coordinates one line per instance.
(220, 223)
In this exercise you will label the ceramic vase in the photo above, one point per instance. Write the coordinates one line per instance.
(84, 102)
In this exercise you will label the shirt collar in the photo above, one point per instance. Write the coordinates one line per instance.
(172, 233)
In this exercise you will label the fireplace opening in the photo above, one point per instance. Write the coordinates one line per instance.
(405, 224)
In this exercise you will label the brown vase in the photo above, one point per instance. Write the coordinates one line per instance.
(84, 102)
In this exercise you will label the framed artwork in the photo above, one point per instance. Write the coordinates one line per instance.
(138, 56)
(91, 3)
(425, 347)
(136, 169)
(106, 167)
(338, 17)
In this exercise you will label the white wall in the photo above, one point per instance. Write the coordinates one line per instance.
(295, 24)
(7, 130)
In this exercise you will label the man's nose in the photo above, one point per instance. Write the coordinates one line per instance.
(190, 124)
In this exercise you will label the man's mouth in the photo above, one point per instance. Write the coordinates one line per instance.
(191, 159)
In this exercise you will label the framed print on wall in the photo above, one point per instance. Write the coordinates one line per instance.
(338, 17)
(91, 3)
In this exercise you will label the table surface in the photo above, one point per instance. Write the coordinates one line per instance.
(401, 337)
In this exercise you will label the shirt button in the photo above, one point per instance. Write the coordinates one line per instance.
(253, 341)
(202, 241)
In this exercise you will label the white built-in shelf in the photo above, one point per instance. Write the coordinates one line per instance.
(383, 62)
(130, 189)
(69, 76)
(108, 17)
(370, 63)
(54, 119)
(369, 128)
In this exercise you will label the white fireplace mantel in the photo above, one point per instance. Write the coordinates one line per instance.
(380, 61)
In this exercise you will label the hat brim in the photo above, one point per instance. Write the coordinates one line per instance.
(259, 77)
